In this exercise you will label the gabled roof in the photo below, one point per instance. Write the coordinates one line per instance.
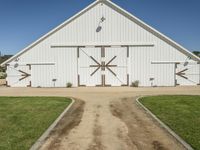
(123, 12)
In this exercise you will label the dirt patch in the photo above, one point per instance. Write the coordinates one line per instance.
(97, 133)
(158, 146)
(70, 120)
(142, 130)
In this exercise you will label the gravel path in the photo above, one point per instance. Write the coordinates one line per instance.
(106, 119)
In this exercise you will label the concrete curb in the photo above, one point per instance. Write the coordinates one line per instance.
(169, 130)
(44, 136)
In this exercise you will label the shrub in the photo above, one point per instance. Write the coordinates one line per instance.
(135, 83)
(2, 69)
(3, 75)
(69, 85)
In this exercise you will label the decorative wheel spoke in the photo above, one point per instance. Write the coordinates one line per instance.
(95, 71)
(102, 65)
(111, 60)
(95, 60)
(111, 71)
(182, 73)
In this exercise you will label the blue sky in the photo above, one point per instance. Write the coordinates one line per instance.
(24, 21)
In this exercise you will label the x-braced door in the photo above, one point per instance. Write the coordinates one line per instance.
(116, 72)
(19, 75)
(187, 73)
(103, 66)
(87, 75)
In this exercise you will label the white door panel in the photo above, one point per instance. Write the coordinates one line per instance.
(102, 66)
(116, 74)
(188, 73)
(88, 75)
(87, 79)
(85, 55)
(18, 76)
(43, 75)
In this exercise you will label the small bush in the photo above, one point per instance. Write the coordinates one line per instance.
(2, 69)
(69, 85)
(3, 75)
(135, 83)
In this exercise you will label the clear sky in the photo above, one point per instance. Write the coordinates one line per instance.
(24, 21)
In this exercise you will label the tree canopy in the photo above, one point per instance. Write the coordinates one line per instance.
(197, 53)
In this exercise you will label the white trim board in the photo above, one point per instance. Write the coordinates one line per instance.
(103, 44)
(172, 62)
(33, 63)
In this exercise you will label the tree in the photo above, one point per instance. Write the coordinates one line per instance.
(2, 59)
(197, 53)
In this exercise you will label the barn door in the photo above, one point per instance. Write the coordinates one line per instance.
(43, 76)
(116, 72)
(19, 75)
(89, 72)
(102, 66)
(187, 73)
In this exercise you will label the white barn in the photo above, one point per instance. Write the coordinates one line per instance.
(103, 45)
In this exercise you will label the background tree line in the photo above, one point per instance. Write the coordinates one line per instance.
(3, 69)
(196, 53)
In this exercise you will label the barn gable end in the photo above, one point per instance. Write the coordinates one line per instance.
(102, 24)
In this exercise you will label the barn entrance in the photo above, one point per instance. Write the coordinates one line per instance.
(19, 75)
(103, 66)
(187, 73)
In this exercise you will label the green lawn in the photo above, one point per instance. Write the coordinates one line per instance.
(24, 119)
(180, 113)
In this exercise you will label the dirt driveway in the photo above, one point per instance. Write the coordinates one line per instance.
(106, 119)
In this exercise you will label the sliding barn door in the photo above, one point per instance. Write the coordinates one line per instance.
(187, 73)
(89, 71)
(116, 72)
(19, 75)
(103, 66)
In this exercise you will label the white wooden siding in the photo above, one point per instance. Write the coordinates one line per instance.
(84, 69)
(121, 70)
(43, 75)
(14, 75)
(191, 71)
(115, 29)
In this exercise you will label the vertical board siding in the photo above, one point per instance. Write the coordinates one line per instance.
(115, 29)
(66, 66)
(163, 75)
(84, 69)
(192, 73)
(120, 70)
(43, 75)
(14, 76)
(142, 69)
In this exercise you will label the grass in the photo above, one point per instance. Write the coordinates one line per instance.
(24, 119)
(180, 113)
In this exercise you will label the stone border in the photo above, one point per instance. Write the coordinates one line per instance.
(44, 136)
(169, 130)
